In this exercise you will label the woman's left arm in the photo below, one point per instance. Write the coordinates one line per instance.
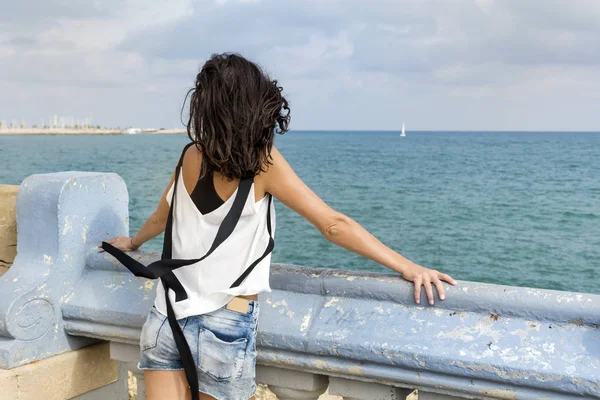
(151, 228)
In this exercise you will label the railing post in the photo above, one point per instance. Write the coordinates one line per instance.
(129, 355)
(358, 390)
(290, 384)
(139, 376)
(61, 217)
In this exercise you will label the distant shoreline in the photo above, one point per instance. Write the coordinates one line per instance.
(91, 131)
(136, 131)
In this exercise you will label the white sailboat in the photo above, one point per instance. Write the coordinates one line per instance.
(403, 131)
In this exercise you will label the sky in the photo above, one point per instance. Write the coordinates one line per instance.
(343, 64)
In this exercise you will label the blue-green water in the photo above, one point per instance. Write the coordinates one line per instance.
(518, 209)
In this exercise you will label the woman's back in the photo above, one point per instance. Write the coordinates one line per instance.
(207, 282)
(210, 191)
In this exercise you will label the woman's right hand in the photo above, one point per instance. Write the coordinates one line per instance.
(422, 276)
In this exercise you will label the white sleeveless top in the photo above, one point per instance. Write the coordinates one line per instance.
(207, 282)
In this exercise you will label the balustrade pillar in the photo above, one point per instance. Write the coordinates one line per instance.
(288, 384)
(139, 376)
(361, 390)
(129, 354)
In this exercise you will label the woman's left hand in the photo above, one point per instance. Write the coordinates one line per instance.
(426, 277)
(122, 243)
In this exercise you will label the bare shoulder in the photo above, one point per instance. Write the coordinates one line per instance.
(192, 155)
(192, 160)
(276, 170)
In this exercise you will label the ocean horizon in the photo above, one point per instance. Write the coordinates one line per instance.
(161, 131)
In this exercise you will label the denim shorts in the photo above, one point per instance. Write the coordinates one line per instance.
(223, 344)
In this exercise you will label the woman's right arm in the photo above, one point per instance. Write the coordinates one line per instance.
(283, 183)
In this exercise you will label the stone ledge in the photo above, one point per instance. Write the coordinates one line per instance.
(8, 225)
(60, 377)
(9, 387)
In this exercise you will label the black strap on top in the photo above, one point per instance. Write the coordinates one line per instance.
(164, 267)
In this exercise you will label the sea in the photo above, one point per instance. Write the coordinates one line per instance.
(511, 208)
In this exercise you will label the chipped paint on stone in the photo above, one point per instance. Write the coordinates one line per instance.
(47, 259)
(483, 327)
(522, 333)
(279, 303)
(413, 317)
(356, 370)
(566, 299)
(570, 369)
(331, 301)
(66, 297)
(548, 347)
(149, 285)
(68, 226)
(306, 320)
(282, 307)
(113, 287)
(84, 233)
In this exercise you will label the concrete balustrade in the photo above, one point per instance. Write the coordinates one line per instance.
(357, 334)
(50, 242)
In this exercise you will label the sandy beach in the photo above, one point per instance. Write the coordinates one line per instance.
(91, 131)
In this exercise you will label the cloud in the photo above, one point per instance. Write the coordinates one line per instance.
(34, 10)
(423, 37)
(359, 57)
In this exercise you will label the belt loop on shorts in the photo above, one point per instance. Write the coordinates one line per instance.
(255, 308)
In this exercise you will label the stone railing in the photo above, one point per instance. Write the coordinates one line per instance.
(357, 334)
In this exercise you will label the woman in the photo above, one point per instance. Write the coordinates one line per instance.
(218, 220)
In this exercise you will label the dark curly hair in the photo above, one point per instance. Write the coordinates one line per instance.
(235, 110)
